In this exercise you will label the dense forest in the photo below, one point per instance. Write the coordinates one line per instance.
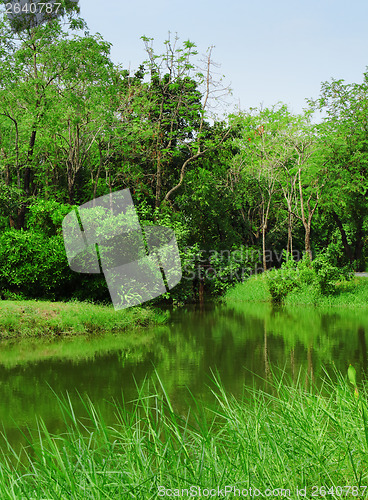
(241, 192)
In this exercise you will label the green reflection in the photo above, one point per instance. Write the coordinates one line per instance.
(243, 342)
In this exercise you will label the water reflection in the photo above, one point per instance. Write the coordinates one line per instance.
(243, 343)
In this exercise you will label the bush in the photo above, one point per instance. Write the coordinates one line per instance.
(306, 272)
(10, 200)
(321, 274)
(327, 275)
(46, 216)
(281, 281)
(33, 265)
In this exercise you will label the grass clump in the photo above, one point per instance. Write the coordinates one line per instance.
(321, 276)
(254, 289)
(288, 437)
(32, 318)
(309, 283)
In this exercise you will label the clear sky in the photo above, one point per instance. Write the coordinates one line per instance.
(269, 51)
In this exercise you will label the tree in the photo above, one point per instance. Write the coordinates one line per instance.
(55, 90)
(264, 154)
(307, 177)
(28, 71)
(84, 104)
(344, 135)
(179, 96)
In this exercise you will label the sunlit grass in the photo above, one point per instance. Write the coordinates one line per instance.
(39, 318)
(287, 437)
(353, 294)
(253, 289)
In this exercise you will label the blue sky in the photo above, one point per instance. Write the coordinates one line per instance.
(269, 51)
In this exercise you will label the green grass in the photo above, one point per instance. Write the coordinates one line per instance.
(350, 294)
(39, 318)
(253, 289)
(287, 437)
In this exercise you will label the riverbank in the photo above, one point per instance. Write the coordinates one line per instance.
(41, 318)
(288, 438)
(350, 294)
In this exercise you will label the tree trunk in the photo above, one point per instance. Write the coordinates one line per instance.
(158, 182)
(21, 216)
(289, 248)
(26, 181)
(344, 239)
(70, 178)
(306, 222)
(359, 244)
(27, 172)
(264, 247)
(307, 240)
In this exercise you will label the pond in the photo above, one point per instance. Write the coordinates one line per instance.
(241, 342)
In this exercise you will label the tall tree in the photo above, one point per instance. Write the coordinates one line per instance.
(264, 153)
(344, 135)
(55, 90)
(28, 71)
(179, 95)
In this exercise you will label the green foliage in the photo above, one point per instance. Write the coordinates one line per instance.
(11, 198)
(327, 275)
(228, 267)
(320, 276)
(281, 281)
(13, 296)
(46, 216)
(33, 264)
(183, 292)
(348, 291)
(74, 126)
(306, 273)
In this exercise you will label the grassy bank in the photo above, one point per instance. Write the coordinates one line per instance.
(38, 318)
(285, 438)
(351, 294)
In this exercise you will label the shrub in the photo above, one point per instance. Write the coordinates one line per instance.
(33, 265)
(281, 281)
(327, 275)
(46, 216)
(321, 274)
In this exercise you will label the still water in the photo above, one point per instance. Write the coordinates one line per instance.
(242, 343)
